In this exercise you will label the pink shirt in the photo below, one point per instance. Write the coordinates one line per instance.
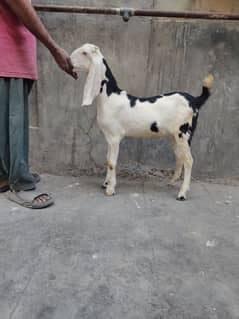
(17, 47)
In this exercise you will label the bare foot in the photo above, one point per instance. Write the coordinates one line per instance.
(42, 199)
(3, 183)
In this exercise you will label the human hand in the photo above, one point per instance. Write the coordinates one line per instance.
(63, 60)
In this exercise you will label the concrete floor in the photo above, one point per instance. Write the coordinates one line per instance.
(138, 255)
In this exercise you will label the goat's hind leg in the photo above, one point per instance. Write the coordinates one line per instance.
(187, 164)
(178, 171)
(179, 164)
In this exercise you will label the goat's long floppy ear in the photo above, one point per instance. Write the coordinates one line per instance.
(93, 81)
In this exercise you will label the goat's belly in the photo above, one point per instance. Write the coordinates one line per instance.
(144, 134)
(150, 130)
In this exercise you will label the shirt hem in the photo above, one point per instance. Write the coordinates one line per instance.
(19, 75)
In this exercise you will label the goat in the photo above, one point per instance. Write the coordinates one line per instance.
(120, 114)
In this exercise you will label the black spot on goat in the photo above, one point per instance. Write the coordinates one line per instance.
(154, 127)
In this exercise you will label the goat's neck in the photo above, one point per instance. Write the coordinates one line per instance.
(108, 84)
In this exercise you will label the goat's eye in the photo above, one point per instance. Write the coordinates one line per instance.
(84, 53)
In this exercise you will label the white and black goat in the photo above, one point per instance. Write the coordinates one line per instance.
(120, 114)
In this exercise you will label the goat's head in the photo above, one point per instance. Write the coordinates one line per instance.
(89, 57)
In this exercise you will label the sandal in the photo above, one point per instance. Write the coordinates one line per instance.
(30, 199)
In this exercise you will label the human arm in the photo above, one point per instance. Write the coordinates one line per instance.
(28, 16)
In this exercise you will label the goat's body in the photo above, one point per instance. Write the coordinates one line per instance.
(120, 114)
(116, 117)
(173, 114)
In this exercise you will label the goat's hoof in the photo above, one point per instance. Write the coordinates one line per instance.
(110, 192)
(181, 198)
(104, 185)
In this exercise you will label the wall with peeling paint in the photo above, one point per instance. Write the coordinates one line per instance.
(147, 56)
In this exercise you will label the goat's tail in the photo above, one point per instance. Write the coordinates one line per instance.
(207, 85)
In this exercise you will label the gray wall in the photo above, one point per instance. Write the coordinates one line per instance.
(147, 56)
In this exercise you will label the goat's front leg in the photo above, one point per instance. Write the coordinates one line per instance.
(111, 166)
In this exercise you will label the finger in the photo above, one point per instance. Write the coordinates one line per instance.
(71, 69)
(75, 75)
(72, 73)
(70, 62)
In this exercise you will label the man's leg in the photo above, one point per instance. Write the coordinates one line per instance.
(4, 146)
(19, 176)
